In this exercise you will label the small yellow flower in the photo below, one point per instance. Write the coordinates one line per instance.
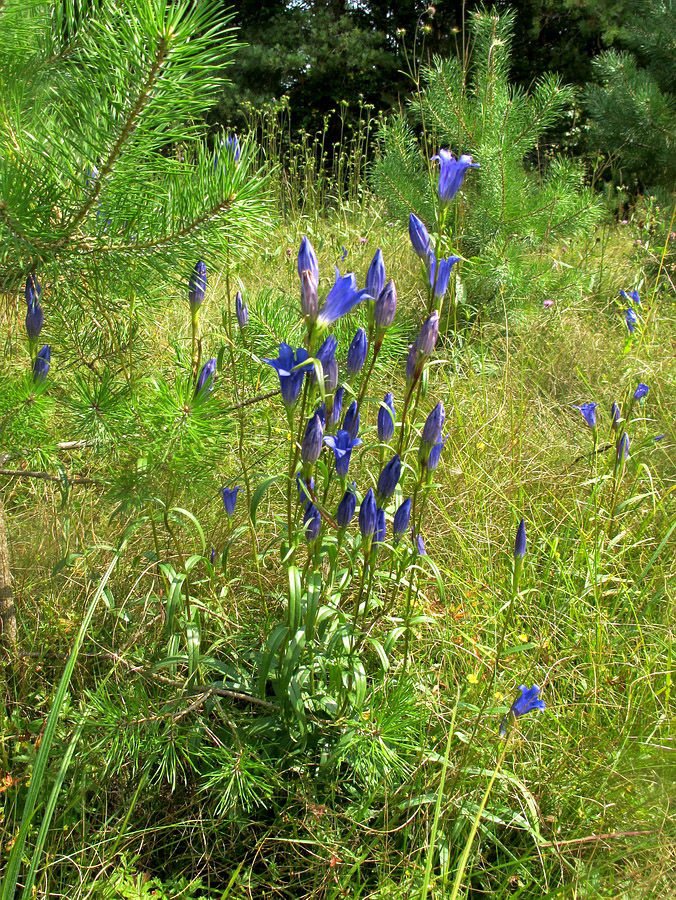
(523, 638)
(472, 678)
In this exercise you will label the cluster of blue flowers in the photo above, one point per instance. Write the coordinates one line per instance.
(617, 422)
(630, 315)
(35, 318)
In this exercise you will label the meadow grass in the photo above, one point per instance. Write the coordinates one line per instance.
(154, 804)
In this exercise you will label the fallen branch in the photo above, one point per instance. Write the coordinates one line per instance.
(45, 476)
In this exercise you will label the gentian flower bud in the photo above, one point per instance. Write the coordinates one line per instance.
(337, 406)
(206, 376)
(34, 319)
(307, 261)
(420, 545)
(305, 489)
(631, 297)
(520, 542)
(615, 416)
(440, 275)
(32, 291)
(325, 354)
(290, 381)
(419, 235)
(389, 478)
(331, 375)
(232, 146)
(375, 277)
(241, 311)
(212, 556)
(342, 445)
(381, 531)
(431, 433)
(427, 339)
(41, 364)
(309, 303)
(401, 519)
(452, 172)
(527, 701)
(386, 419)
(623, 448)
(197, 285)
(356, 355)
(313, 523)
(588, 411)
(386, 306)
(346, 509)
(631, 319)
(312, 441)
(351, 420)
(367, 515)
(342, 297)
(435, 455)
(230, 498)
(641, 391)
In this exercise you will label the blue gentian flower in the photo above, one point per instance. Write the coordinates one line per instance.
(520, 542)
(615, 416)
(241, 311)
(452, 173)
(313, 523)
(434, 423)
(641, 391)
(385, 307)
(290, 381)
(527, 701)
(435, 455)
(307, 260)
(402, 518)
(588, 411)
(367, 515)
(343, 253)
(419, 235)
(631, 319)
(389, 478)
(381, 530)
(232, 146)
(342, 445)
(321, 412)
(205, 379)
(197, 285)
(420, 545)
(34, 320)
(375, 277)
(305, 488)
(230, 498)
(212, 556)
(342, 297)
(623, 448)
(331, 375)
(386, 419)
(41, 364)
(356, 355)
(325, 353)
(346, 509)
(309, 301)
(337, 406)
(351, 420)
(311, 446)
(32, 291)
(631, 297)
(441, 275)
(429, 332)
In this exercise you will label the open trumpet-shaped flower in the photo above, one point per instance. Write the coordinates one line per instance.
(440, 274)
(631, 297)
(342, 297)
(527, 701)
(588, 411)
(230, 499)
(641, 391)
(290, 377)
(342, 445)
(452, 173)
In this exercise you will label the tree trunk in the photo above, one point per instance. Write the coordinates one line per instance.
(8, 634)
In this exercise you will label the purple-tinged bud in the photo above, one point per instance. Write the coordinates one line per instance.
(305, 488)
(313, 523)
(615, 416)
(311, 447)
(389, 478)
(331, 375)
(321, 412)
(631, 320)
(419, 235)
(386, 306)
(375, 277)
(623, 448)
(641, 391)
(197, 285)
(520, 543)
(307, 261)
(435, 456)
(325, 354)
(337, 406)
(32, 291)
(241, 311)
(427, 339)
(402, 518)
(309, 302)
(232, 146)
(351, 420)
(420, 545)
(431, 433)
(356, 355)
(367, 515)
(411, 364)
(381, 530)
(34, 319)
(386, 419)
(230, 498)
(42, 362)
(346, 509)
(205, 380)
(212, 556)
